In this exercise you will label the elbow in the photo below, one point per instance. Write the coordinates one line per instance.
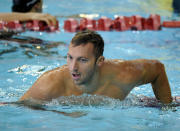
(159, 66)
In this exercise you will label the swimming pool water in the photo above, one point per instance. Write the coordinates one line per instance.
(25, 63)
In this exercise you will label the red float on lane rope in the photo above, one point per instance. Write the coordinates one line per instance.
(71, 25)
(120, 24)
(36, 25)
(14, 25)
(171, 24)
(137, 23)
(1, 25)
(152, 23)
(105, 24)
(87, 24)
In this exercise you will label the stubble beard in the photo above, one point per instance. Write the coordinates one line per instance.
(88, 78)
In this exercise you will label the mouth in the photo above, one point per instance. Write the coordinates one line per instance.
(76, 76)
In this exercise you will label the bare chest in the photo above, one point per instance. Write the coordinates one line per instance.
(111, 90)
(105, 88)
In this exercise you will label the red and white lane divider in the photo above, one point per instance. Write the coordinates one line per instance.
(120, 23)
(34, 25)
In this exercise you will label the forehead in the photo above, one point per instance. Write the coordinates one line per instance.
(85, 50)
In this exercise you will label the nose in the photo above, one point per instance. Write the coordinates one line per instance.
(74, 66)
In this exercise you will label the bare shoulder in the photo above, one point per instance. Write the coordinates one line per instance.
(49, 85)
(120, 62)
(56, 71)
(130, 69)
(113, 61)
(52, 77)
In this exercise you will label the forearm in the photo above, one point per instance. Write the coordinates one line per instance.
(48, 19)
(14, 16)
(161, 86)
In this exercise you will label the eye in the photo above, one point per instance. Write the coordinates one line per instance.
(69, 57)
(84, 60)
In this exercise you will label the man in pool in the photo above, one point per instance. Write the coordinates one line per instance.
(88, 72)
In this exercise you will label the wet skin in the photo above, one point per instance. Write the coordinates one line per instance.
(112, 78)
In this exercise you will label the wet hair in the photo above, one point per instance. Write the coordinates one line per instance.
(23, 5)
(88, 36)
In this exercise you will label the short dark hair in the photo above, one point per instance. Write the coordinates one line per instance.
(23, 5)
(88, 36)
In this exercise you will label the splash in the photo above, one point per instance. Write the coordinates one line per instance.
(95, 101)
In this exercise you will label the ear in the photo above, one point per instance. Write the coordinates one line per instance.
(100, 60)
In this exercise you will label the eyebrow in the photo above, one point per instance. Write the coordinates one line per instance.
(82, 57)
(78, 57)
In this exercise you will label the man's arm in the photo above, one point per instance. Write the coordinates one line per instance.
(49, 19)
(49, 86)
(154, 72)
(137, 72)
(159, 81)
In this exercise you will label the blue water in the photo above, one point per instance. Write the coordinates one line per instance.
(20, 69)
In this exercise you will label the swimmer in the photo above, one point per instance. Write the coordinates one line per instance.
(87, 72)
(25, 10)
(176, 6)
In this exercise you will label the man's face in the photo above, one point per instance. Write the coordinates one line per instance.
(81, 63)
